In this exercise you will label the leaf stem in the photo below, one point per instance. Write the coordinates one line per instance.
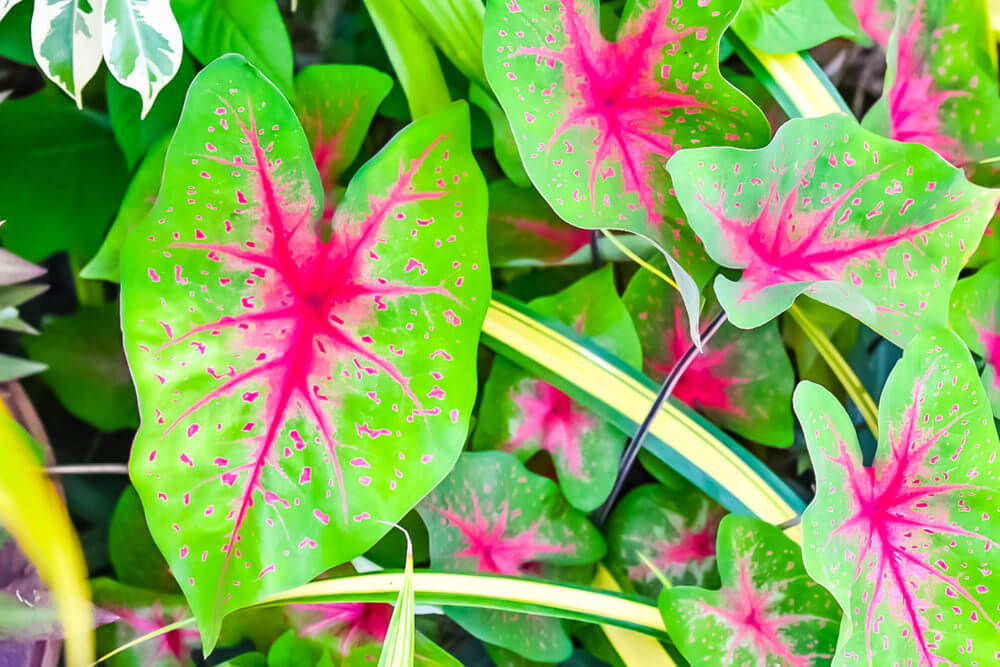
(841, 369)
(88, 469)
(667, 388)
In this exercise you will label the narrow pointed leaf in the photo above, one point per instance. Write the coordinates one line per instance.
(528, 415)
(768, 611)
(66, 39)
(876, 228)
(294, 390)
(974, 309)
(673, 530)
(941, 84)
(596, 120)
(491, 515)
(742, 380)
(785, 26)
(908, 545)
(142, 46)
(397, 649)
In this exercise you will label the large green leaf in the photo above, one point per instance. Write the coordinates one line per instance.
(251, 28)
(784, 26)
(595, 121)
(974, 306)
(768, 611)
(742, 380)
(908, 544)
(492, 515)
(673, 529)
(295, 391)
(37, 135)
(941, 84)
(524, 414)
(876, 228)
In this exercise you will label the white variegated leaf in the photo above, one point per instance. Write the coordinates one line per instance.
(142, 45)
(66, 40)
(6, 6)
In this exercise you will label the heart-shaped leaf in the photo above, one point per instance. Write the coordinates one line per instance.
(353, 632)
(876, 228)
(295, 391)
(941, 84)
(596, 120)
(876, 18)
(768, 611)
(492, 515)
(907, 545)
(523, 229)
(527, 414)
(673, 529)
(783, 26)
(742, 380)
(974, 309)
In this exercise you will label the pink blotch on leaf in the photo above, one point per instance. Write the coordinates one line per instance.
(553, 421)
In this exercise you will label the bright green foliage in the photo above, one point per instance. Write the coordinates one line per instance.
(673, 528)
(133, 554)
(876, 228)
(596, 120)
(974, 305)
(41, 135)
(492, 515)
(296, 391)
(742, 380)
(906, 544)
(528, 415)
(783, 26)
(87, 372)
(768, 611)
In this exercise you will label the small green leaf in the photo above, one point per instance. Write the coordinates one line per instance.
(134, 556)
(785, 26)
(768, 611)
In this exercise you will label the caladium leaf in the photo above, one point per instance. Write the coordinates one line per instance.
(974, 309)
(523, 229)
(876, 18)
(142, 45)
(354, 632)
(66, 40)
(527, 414)
(768, 611)
(295, 391)
(876, 228)
(907, 545)
(783, 26)
(492, 515)
(673, 529)
(336, 104)
(742, 380)
(596, 120)
(941, 84)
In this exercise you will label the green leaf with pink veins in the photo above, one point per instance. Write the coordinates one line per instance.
(674, 529)
(768, 611)
(296, 390)
(941, 84)
(908, 545)
(873, 227)
(492, 515)
(528, 415)
(742, 380)
(596, 120)
(975, 305)
(876, 18)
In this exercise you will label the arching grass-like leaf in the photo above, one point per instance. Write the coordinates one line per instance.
(672, 529)
(595, 120)
(295, 389)
(941, 84)
(876, 228)
(742, 380)
(768, 611)
(526, 415)
(907, 545)
(974, 308)
(491, 515)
